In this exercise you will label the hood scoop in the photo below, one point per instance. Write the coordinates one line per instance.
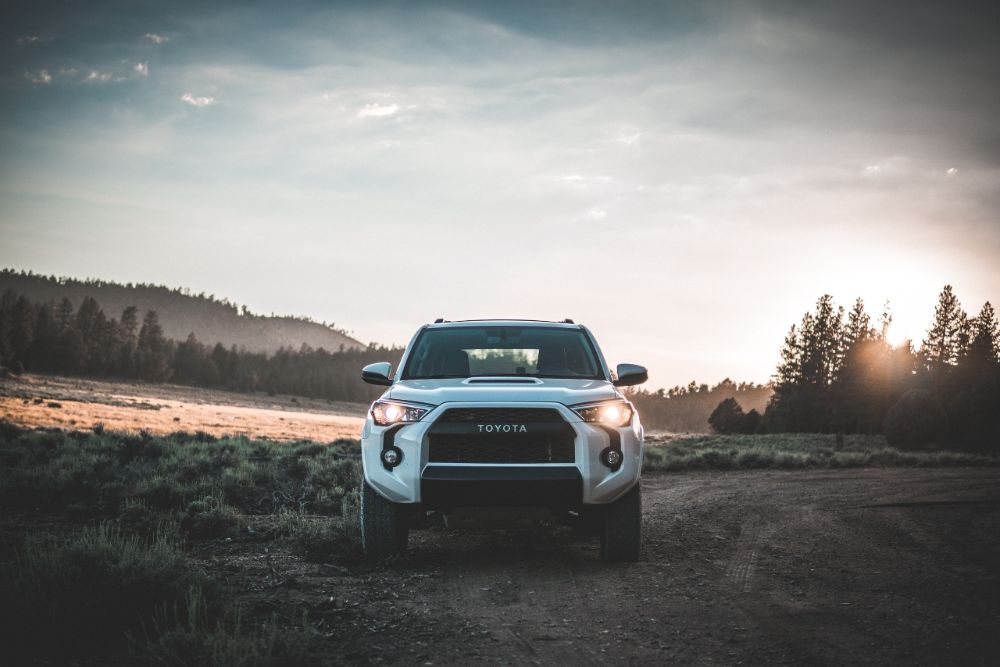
(502, 380)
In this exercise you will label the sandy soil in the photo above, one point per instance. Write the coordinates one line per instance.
(887, 566)
(39, 400)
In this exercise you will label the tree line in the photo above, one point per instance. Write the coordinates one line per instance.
(838, 373)
(688, 408)
(51, 337)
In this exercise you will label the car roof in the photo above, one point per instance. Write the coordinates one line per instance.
(567, 323)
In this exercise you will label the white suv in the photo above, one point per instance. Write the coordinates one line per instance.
(502, 413)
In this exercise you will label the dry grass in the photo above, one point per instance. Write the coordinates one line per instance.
(790, 451)
(45, 401)
(100, 536)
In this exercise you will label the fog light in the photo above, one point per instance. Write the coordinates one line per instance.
(612, 458)
(392, 457)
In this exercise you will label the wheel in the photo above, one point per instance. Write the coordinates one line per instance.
(621, 534)
(384, 527)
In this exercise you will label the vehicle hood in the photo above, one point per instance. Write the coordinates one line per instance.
(565, 391)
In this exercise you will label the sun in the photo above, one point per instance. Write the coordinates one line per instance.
(897, 337)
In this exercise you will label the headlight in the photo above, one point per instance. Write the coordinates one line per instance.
(611, 413)
(396, 412)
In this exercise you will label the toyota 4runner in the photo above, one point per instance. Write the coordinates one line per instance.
(502, 413)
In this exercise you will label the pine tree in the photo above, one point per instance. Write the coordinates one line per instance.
(884, 321)
(152, 361)
(86, 318)
(44, 340)
(104, 348)
(858, 326)
(189, 359)
(821, 340)
(810, 360)
(22, 326)
(88, 322)
(64, 314)
(788, 374)
(129, 324)
(127, 339)
(7, 302)
(985, 332)
(970, 394)
(859, 348)
(943, 345)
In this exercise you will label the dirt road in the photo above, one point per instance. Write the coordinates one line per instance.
(861, 566)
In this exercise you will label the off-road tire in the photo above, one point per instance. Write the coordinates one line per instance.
(384, 526)
(621, 535)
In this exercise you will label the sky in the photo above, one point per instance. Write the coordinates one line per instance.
(684, 178)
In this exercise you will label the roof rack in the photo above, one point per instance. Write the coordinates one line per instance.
(441, 320)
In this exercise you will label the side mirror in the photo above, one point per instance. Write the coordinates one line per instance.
(630, 374)
(377, 373)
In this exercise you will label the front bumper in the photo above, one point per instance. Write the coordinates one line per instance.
(586, 481)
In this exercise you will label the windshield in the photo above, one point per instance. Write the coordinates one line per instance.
(460, 352)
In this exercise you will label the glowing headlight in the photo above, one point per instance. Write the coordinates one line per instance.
(611, 413)
(393, 412)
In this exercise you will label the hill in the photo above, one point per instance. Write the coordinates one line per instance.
(181, 313)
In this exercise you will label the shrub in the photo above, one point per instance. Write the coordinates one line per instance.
(209, 518)
(161, 492)
(727, 417)
(77, 599)
(753, 422)
(138, 519)
(320, 538)
(196, 638)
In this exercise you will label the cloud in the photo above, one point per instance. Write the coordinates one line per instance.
(142, 69)
(41, 76)
(628, 138)
(27, 39)
(375, 110)
(951, 171)
(581, 182)
(748, 137)
(97, 77)
(188, 98)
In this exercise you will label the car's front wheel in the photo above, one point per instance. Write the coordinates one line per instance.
(384, 527)
(621, 534)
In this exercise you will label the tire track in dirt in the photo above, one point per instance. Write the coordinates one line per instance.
(766, 568)
(532, 604)
(741, 566)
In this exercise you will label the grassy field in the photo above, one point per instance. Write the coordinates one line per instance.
(790, 451)
(100, 535)
(113, 545)
(33, 400)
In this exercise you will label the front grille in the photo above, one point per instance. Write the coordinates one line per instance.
(501, 415)
(544, 436)
(475, 448)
